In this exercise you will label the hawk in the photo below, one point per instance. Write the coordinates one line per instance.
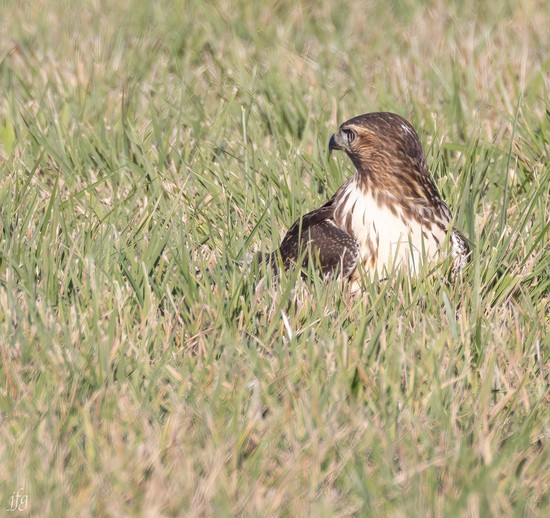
(389, 214)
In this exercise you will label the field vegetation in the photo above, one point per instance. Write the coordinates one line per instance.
(147, 147)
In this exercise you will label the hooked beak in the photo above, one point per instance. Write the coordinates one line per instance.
(335, 142)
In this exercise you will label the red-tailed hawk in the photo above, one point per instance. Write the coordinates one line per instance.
(388, 215)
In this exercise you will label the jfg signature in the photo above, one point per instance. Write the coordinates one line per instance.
(18, 502)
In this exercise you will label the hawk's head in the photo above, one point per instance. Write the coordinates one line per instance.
(385, 150)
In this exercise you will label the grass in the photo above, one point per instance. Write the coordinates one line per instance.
(145, 147)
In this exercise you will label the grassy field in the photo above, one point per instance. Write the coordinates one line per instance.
(146, 146)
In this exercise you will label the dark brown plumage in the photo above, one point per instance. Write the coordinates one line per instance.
(388, 214)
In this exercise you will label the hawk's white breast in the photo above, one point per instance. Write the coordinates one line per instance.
(387, 239)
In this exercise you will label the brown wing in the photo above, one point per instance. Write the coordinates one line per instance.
(316, 237)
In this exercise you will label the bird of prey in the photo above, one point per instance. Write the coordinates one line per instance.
(389, 214)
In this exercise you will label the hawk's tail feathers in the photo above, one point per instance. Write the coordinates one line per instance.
(267, 258)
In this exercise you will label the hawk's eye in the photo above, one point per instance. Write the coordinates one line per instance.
(350, 136)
